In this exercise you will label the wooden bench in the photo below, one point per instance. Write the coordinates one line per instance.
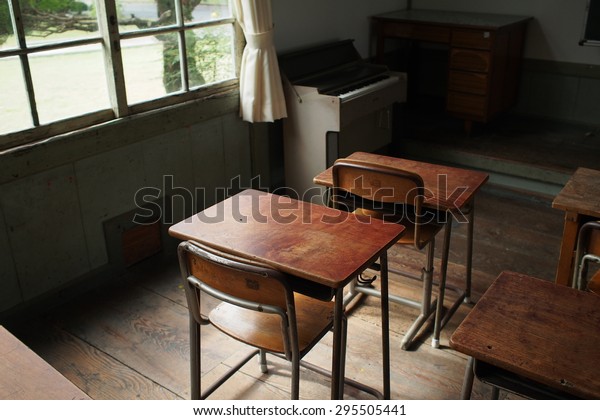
(26, 376)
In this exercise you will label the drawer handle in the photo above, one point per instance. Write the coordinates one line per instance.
(486, 34)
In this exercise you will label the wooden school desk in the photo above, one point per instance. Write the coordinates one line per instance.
(446, 189)
(523, 327)
(484, 56)
(313, 242)
(580, 200)
(26, 376)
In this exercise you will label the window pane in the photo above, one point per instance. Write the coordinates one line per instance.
(14, 106)
(210, 54)
(69, 82)
(196, 11)
(151, 67)
(58, 20)
(142, 14)
(7, 38)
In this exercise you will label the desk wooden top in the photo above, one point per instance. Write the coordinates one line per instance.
(317, 243)
(446, 187)
(26, 376)
(581, 194)
(453, 18)
(537, 329)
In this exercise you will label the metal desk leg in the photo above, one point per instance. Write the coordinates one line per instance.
(336, 359)
(469, 264)
(427, 307)
(437, 325)
(385, 326)
(343, 360)
(468, 381)
(464, 295)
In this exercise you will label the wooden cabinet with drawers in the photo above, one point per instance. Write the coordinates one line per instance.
(485, 53)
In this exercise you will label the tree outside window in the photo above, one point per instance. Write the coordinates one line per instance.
(52, 55)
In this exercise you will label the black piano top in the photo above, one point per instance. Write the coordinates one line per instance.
(328, 67)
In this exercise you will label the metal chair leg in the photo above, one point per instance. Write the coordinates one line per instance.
(263, 361)
(194, 358)
(467, 386)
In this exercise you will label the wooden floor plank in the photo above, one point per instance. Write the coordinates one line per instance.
(95, 372)
(140, 329)
(26, 376)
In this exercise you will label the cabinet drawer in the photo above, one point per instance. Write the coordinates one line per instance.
(467, 82)
(472, 39)
(428, 33)
(465, 104)
(471, 60)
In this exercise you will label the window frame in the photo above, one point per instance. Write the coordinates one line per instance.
(110, 40)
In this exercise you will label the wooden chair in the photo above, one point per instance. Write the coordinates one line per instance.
(257, 306)
(587, 251)
(396, 196)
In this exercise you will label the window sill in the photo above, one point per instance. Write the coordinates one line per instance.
(58, 150)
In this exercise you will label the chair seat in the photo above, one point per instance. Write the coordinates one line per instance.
(314, 318)
(427, 231)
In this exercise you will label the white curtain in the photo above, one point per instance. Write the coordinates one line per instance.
(261, 91)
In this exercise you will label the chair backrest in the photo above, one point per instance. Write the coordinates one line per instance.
(385, 189)
(588, 249)
(236, 281)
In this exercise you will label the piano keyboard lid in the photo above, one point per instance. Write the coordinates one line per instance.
(329, 67)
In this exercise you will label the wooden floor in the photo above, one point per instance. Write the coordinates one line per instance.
(130, 340)
(510, 139)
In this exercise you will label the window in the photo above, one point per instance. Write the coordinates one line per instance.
(68, 64)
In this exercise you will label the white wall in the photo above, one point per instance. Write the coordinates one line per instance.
(552, 35)
(308, 22)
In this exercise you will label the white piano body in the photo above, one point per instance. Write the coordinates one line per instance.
(329, 117)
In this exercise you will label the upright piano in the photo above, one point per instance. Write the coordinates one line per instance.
(337, 104)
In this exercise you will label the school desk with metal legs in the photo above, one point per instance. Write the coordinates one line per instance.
(580, 200)
(533, 338)
(314, 243)
(447, 189)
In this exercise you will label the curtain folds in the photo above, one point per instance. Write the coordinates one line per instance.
(261, 91)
